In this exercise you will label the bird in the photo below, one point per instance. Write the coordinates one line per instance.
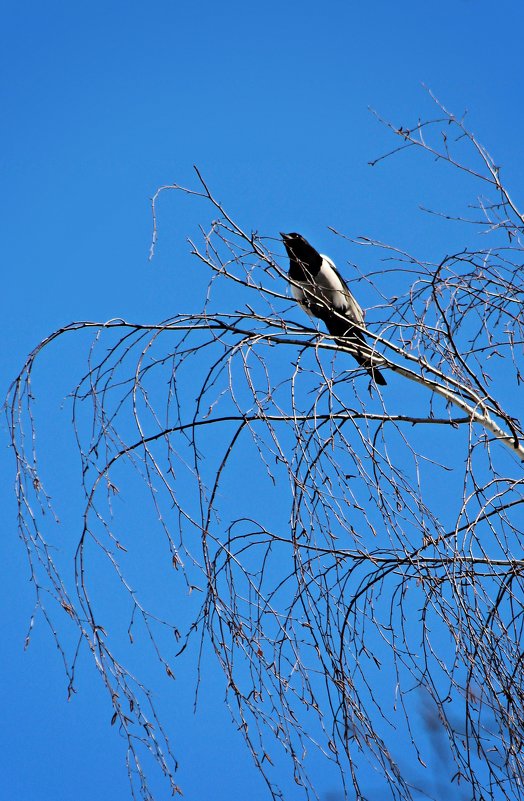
(320, 290)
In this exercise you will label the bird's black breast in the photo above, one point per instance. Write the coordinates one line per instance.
(304, 261)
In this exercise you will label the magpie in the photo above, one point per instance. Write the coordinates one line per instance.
(320, 290)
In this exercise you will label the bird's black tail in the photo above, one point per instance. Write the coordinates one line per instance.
(350, 337)
(368, 363)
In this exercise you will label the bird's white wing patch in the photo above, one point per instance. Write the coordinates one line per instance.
(328, 287)
(337, 292)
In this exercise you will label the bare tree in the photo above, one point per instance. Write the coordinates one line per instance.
(354, 556)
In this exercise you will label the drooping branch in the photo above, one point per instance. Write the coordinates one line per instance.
(351, 560)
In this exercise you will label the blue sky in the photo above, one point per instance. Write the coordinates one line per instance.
(104, 103)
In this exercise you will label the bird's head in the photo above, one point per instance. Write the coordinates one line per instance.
(300, 250)
(293, 239)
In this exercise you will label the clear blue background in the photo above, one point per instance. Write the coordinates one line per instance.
(104, 102)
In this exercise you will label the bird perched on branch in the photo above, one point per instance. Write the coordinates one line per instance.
(322, 292)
